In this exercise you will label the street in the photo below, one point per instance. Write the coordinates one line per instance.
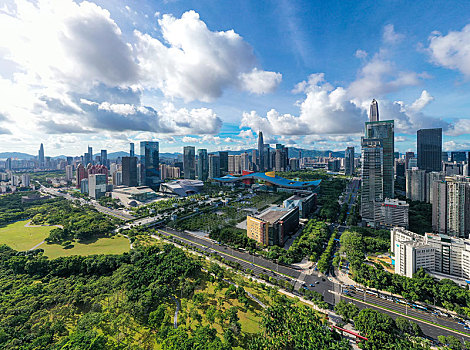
(329, 289)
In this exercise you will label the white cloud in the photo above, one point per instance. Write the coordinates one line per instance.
(360, 54)
(169, 119)
(246, 134)
(422, 101)
(260, 82)
(325, 110)
(70, 65)
(460, 127)
(452, 50)
(197, 63)
(379, 76)
(390, 36)
(190, 139)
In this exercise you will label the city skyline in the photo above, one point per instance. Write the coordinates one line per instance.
(308, 85)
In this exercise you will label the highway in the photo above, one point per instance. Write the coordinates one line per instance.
(112, 212)
(330, 290)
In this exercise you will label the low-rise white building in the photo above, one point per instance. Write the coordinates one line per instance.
(434, 252)
(390, 213)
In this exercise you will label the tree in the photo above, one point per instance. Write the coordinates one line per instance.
(347, 311)
(156, 317)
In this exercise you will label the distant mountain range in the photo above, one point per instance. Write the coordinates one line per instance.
(293, 153)
(112, 155)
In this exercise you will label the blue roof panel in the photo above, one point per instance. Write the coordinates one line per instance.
(276, 180)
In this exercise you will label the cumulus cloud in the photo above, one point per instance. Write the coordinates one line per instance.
(4, 131)
(194, 62)
(325, 110)
(169, 119)
(360, 54)
(61, 42)
(62, 54)
(390, 36)
(51, 127)
(260, 82)
(451, 50)
(335, 112)
(460, 127)
(380, 76)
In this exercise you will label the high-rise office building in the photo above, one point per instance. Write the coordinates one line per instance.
(458, 157)
(408, 156)
(81, 174)
(281, 158)
(97, 185)
(294, 164)
(69, 172)
(90, 154)
(202, 164)
(374, 111)
(416, 184)
(267, 157)
(383, 131)
(189, 160)
(104, 158)
(69, 160)
(150, 163)
(214, 166)
(399, 167)
(451, 207)
(254, 157)
(429, 146)
(260, 152)
(131, 150)
(372, 184)
(129, 171)
(8, 164)
(41, 156)
(223, 155)
(349, 161)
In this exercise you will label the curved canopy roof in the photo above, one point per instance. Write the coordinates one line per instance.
(275, 180)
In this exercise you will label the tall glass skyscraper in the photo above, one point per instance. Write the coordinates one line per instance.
(131, 150)
(372, 184)
(374, 111)
(260, 152)
(429, 146)
(383, 131)
(349, 161)
(202, 164)
(150, 163)
(41, 156)
(189, 160)
(223, 155)
(104, 157)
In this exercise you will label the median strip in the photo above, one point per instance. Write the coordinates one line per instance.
(236, 257)
(408, 316)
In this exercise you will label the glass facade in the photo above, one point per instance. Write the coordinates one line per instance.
(429, 145)
(150, 163)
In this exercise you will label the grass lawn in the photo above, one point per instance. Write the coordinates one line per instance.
(20, 238)
(114, 245)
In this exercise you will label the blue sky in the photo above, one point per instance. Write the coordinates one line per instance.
(210, 73)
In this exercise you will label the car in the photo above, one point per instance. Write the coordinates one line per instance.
(317, 282)
(323, 279)
(312, 285)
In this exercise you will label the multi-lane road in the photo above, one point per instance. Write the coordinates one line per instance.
(330, 290)
(111, 212)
